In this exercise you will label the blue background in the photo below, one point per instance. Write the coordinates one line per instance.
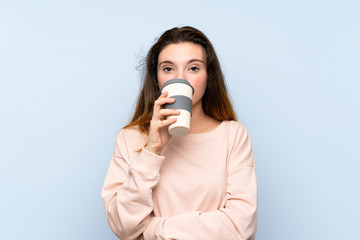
(69, 83)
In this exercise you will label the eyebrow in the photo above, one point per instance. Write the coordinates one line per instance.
(190, 61)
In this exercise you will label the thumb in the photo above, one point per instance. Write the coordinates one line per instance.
(165, 133)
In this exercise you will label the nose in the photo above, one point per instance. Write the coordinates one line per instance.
(180, 74)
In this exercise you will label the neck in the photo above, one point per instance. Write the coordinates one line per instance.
(198, 118)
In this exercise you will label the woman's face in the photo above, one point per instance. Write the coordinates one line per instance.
(186, 61)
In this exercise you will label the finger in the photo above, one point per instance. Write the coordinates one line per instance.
(162, 101)
(158, 103)
(164, 94)
(157, 125)
(167, 122)
(167, 112)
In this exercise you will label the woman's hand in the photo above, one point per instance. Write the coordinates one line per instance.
(158, 132)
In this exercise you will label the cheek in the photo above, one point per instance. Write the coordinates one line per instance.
(161, 81)
(199, 87)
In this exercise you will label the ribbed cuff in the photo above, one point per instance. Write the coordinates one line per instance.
(148, 162)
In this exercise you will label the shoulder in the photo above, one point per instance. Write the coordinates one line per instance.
(235, 128)
(238, 134)
(131, 138)
(133, 132)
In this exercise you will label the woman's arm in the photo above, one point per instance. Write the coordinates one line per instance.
(236, 219)
(127, 189)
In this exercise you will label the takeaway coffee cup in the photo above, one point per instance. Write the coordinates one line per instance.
(182, 91)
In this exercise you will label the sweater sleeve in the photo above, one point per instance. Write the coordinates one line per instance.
(235, 219)
(127, 189)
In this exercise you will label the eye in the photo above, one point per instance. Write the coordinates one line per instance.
(167, 69)
(194, 68)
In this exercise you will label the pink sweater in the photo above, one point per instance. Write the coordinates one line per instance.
(202, 186)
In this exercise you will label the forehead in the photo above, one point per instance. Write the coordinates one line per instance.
(177, 52)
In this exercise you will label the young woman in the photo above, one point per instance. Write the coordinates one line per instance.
(198, 186)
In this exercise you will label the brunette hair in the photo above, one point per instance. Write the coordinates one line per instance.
(215, 101)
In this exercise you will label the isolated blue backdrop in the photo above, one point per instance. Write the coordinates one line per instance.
(69, 83)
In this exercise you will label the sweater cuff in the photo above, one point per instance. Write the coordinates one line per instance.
(148, 162)
(150, 231)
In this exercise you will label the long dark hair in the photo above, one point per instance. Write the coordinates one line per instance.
(215, 101)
